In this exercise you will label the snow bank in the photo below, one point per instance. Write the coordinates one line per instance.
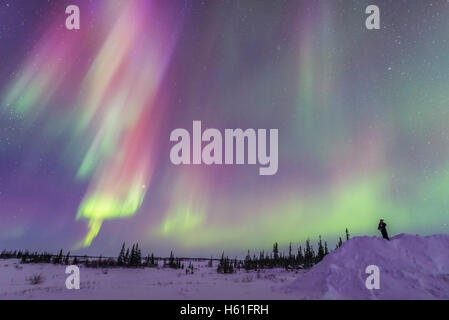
(411, 267)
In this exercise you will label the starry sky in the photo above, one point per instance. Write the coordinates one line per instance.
(86, 116)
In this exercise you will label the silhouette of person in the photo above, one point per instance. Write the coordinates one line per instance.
(383, 229)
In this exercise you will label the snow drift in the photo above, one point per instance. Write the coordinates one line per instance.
(411, 267)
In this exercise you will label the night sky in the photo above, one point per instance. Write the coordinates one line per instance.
(86, 116)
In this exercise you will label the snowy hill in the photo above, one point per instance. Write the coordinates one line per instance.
(411, 267)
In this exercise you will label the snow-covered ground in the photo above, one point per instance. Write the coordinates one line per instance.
(411, 267)
(148, 283)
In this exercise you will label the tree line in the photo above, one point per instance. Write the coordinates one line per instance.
(303, 258)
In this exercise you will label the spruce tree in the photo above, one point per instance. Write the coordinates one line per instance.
(309, 255)
(67, 257)
(121, 256)
(290, 251)
(220, 267)
(339, 244)
(132, 259)
(138, 256)
(300, 256)
(225, 265)
(126, 260)
(247, 262)
(320, 254)
(347, 234)
(171, 260)
(58, 259)
(276, 251)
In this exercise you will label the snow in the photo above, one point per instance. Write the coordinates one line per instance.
(411, 267)
(148, 283)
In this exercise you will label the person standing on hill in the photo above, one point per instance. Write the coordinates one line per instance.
(383, 229)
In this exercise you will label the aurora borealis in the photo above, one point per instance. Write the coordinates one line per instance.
(86, 116)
